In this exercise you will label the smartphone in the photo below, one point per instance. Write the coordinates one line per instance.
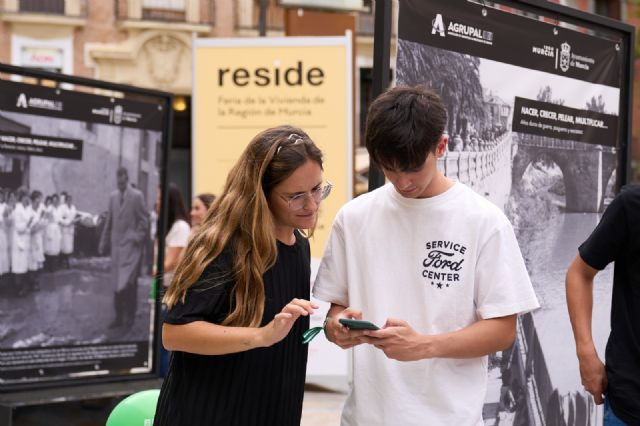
(355, 324)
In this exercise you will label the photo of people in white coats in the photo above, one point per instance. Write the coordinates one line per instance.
(74, 236)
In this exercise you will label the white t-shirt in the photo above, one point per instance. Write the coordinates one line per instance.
(440, 263)
(178, 236)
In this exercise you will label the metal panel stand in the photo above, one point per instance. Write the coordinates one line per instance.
(10, 401)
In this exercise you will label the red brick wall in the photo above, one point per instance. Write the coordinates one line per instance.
(5, 43)
(100, 28)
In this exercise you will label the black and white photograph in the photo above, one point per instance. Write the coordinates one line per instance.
(77, 228)
(541, 145)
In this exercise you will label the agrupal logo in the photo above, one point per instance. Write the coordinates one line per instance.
(457, 29)
(437, 25)
(24, 101)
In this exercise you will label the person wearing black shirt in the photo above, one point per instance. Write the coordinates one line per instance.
(238, 303)
(616, 239)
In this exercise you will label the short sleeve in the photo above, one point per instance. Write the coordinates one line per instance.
(331, 281)
(208, 299)
(178, 235)
(502, 283)
(604, 243)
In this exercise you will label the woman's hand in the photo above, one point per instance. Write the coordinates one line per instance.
(281, 324)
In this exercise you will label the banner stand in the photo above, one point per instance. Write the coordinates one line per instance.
(74, 386)
(542, 82)
(381, 65)
(9, 402)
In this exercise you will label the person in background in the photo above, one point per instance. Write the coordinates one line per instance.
(52, 233)
(178, 230)
(175, 242)
(199, 208)
(22, 219)
(4, 241)
(125, 233)
(36, 254)
(238, 304)
(11, 202)
(616, 383)
(67, 228)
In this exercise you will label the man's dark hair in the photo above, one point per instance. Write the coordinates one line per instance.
(404, 125)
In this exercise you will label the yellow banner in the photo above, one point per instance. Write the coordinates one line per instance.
(243, 86)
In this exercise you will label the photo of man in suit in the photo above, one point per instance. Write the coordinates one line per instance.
(125, 232)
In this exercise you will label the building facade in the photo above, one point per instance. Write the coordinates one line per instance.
(147, 43)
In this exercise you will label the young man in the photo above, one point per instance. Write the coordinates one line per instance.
(433, 263)
(615, 239)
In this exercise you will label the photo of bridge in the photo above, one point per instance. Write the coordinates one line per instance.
(553, 189)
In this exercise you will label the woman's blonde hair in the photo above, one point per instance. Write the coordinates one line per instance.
(240, 217)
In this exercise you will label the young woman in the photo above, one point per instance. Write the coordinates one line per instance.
(238, 295)
(199, 208)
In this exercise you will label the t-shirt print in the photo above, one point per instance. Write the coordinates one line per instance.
(443, 263)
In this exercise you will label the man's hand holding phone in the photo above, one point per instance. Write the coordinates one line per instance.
(341, 335)
(399, 341)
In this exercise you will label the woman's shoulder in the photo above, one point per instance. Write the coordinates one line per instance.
(218, 271)
(223, 261)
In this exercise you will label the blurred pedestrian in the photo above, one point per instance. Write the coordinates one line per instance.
(177, 234)
(199, 207)
(175, 242)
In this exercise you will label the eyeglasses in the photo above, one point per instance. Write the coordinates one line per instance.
(297, 202)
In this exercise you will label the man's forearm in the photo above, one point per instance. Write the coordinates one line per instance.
(579, 288)
(479, 339)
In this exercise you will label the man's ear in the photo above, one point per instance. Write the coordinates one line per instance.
(441, 148)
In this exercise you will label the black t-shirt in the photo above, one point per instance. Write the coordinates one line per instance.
(617, 239)
(263, 386)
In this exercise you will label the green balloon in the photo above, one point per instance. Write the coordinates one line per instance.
(135, 410)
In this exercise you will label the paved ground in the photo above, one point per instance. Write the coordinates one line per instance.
(322, 407)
